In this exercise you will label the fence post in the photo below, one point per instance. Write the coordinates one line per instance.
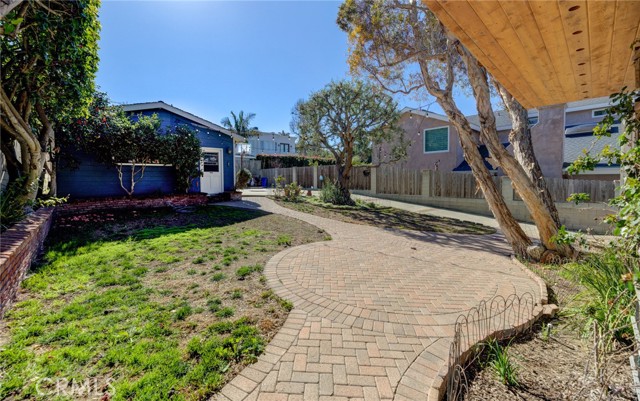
(506, 188)
(373, 176)
(315, 176)
(294, 175)
(426, 184)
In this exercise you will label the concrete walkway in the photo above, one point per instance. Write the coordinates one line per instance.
(374, 310)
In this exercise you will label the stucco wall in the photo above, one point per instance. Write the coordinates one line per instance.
(548, 139)
(581, 117)
(414, 127)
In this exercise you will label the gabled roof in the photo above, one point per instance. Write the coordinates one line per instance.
(133, 107)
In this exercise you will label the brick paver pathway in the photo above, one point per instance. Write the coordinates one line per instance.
(373, 312)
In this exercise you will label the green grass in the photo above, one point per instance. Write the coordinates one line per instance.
(118, 301)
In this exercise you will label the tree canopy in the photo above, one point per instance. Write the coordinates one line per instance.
(240, 124)
(401, 45)
(49, 60)
(341, 117)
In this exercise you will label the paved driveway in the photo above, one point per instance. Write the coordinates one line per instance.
(374, 310)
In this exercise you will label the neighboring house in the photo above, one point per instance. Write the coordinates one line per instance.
(270, 143)
(93, 179)
(559, 134)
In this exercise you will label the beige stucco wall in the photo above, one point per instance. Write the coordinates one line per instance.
(414, 127)
(548, 138)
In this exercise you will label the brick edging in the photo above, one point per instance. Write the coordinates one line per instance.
(19, 246)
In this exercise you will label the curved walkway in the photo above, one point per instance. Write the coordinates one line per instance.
(374, 310)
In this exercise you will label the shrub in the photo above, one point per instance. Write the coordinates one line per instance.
(284, 161)
(243, 272)
(225, 312)
(292, 192)
(242, 179)
(330, 193)
(11, 204)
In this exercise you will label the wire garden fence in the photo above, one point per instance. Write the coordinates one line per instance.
(497, 318)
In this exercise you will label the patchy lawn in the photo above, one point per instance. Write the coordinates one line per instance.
(386, 217)
(151, 305)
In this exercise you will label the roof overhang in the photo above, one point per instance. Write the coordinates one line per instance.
(549, 52)
(131, 108)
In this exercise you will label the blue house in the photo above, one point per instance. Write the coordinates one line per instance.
(93, 179)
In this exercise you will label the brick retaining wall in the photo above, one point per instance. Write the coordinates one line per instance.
(91, 205)
(19, 246)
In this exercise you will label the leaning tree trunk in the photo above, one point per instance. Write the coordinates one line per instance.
(520, 138)
(547, 227)
(514, 234)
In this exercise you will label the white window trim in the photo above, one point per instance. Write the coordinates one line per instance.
(593, 113)
(424, 140)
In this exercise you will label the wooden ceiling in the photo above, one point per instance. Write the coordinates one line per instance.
(549, 52)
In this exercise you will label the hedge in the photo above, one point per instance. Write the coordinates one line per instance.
(284, 161)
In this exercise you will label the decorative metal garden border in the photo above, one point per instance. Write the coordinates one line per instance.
(497, 318)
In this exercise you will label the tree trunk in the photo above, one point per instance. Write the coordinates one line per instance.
(547, 227)
(511, 229)
(520, 138)
(342, 182)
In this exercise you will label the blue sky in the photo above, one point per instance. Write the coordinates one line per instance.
(211, 57)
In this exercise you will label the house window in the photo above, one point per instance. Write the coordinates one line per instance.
(598, 113)
(284, 148)
(436, 140)
(211, 162)
(533, 120)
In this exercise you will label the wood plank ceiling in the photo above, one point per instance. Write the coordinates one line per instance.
(549, 52)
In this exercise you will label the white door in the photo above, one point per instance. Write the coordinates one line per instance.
(212, 181)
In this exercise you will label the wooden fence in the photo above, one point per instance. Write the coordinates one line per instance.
(455, 185)
(305, 176)
(561, 189)
(399, 181)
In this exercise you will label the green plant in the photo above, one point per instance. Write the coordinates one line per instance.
(181, 148)
(292, 192)
(501, 364)
(242, 179)
(579, 197)
(225, 312)
(49, 201)
(12, 204)
(330, 193)
(218, 277)
(286, 304)
(214, 304)
(182, 312)
(563, 236)
(278, 187)
(608, 297)
(243, 272)
(284, 239)
(236, 294)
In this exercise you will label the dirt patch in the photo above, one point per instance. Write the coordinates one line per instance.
(556, 360)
